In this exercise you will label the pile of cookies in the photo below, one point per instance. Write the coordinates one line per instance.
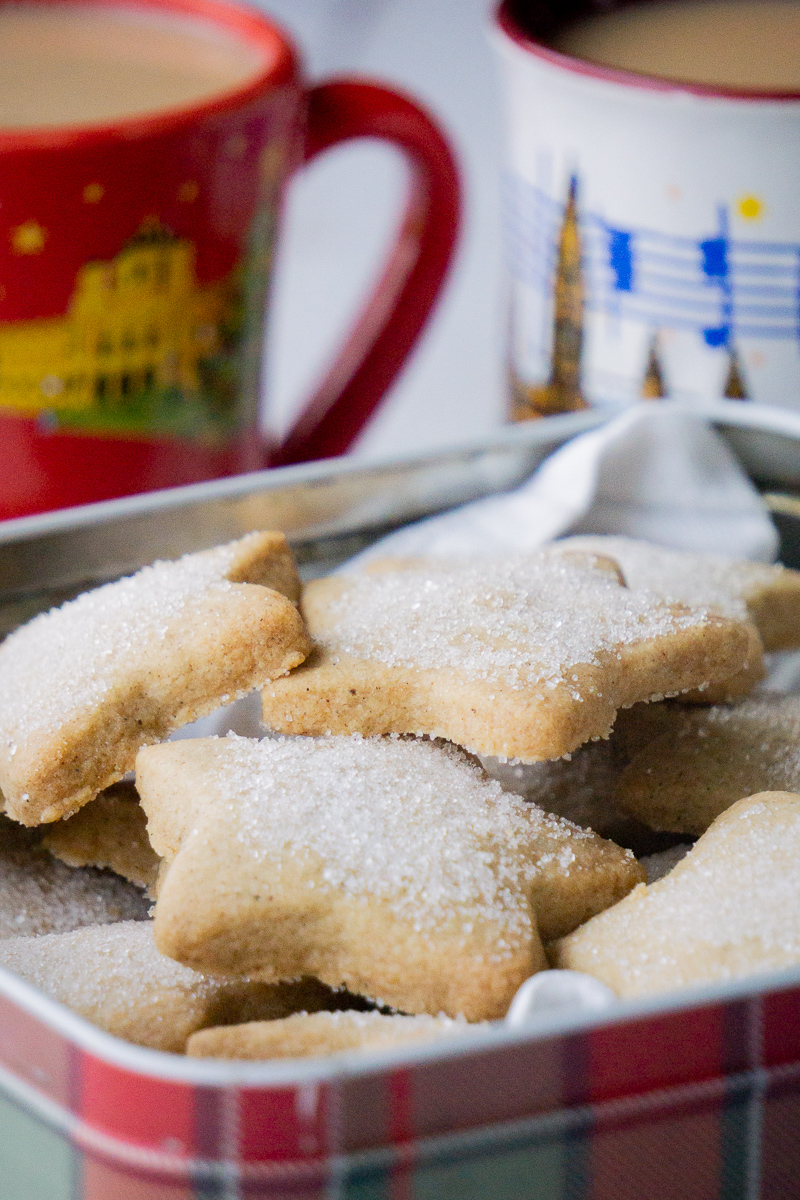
(459, 760)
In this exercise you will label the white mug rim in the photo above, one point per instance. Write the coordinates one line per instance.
(513, 29)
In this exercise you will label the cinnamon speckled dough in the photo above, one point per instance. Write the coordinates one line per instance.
(768, 595)
(110, 831)
(87, 684)
(307, 1034)
(39, 895)
(114, 976)
(526, 656)
(393, 867)
(709, 758)
(731, 907)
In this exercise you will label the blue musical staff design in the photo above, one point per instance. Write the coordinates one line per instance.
(720, 287)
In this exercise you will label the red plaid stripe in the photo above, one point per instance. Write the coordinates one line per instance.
(702, 1102)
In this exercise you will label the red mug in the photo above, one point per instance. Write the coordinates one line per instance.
(135, 257)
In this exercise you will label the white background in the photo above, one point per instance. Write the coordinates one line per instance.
(342, 209)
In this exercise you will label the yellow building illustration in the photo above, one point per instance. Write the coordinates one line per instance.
(135, 325)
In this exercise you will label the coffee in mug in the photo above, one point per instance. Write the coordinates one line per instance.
(144, 154)
(72, 65)
(651, 211)
(724, 43)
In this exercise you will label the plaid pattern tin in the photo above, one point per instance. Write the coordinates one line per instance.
(689, 1096)
(697, 1102)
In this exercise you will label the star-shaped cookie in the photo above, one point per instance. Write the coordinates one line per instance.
(304, 1034)
(706, 759)
(730, 908)
(394, 867)
(114, 976)
(87, 684)
(766, 594)
(108, 832)
(522, 657)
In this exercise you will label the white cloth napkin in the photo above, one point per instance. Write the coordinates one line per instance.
(657, 472)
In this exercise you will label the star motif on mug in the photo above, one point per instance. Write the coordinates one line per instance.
(751, 208)
(236, 145)
(28, 238)
(93, 193)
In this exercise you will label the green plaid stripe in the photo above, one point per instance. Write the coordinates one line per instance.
(36, 1161)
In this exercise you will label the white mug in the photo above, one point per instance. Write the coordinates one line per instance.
(653, 232)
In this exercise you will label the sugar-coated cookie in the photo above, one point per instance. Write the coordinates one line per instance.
(524, 657)
(306, 1034)
(110, 831)
(391, 866)
(731, 907)
(709, 758)
(768, 595)
(39, 895)
(87, 684)
(114, 976)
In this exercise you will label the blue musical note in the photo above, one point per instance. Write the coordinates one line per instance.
(715, 285)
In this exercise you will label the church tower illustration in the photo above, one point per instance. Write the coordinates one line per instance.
(562, 392)
(653, 386)
(735, 386)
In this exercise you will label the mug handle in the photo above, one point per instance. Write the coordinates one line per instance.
(409, 285)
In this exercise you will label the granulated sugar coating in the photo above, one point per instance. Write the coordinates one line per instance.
(769, 595)
(731, 907)
(524, 657)
(85, 684)
(402, 855)
(114, 976)
(516, 619)
(710, 757)
(68, 658)
(40, 895)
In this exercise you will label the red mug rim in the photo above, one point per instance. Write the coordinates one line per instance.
(515, 30)
(281, 67)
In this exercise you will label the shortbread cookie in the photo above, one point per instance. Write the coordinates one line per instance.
(85, 685)
(110, 831)
(39, 895)
(580, 787)
(768, 595)
(522, 657)
(114, 976)
(731, 907)
(711, 757)
(307, 1034)
(393, 867)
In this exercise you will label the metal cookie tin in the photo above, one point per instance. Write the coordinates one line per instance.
(690, 1095)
